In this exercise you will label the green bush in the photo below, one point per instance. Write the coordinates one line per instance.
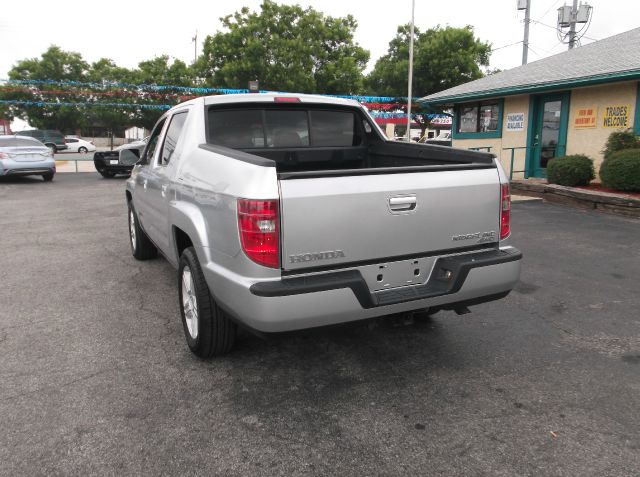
(621, 140)
(621, 170)
(570, 170)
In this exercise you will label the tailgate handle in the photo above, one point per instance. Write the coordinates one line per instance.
(403, 203)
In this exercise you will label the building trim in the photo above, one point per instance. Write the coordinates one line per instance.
(636, 116)
(534, 88)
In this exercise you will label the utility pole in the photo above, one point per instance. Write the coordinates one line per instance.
(525, 41)
(195, 46)
(409, 100)
(572, 29)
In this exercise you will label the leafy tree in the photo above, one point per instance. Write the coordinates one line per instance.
(287, 48)
(57, 65)
(162, 71)
(442, 58)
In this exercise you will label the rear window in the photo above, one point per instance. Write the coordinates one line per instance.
(278, 128)
(19, 142)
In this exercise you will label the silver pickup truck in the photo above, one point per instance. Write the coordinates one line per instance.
(284, 212)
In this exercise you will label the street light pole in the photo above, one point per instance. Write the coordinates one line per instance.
(525, 42)
(413, 9)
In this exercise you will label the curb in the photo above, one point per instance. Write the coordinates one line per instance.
(603, 201)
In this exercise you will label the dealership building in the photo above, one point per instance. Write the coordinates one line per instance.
(565, 104)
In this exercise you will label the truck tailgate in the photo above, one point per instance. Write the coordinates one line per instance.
(361, 218)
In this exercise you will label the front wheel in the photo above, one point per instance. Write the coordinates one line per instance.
(208, 330)
(141, 247)
(48, 177)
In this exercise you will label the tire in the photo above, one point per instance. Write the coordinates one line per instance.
(141, 247)
(52, 148)
(48, 177)
(107, 174)
(211, 332)
(82, 150)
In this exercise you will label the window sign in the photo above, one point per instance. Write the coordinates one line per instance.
(586, 118)
(616, 116)
(515, 122)
(469, 119)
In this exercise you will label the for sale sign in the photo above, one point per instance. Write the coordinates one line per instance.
(616, 116)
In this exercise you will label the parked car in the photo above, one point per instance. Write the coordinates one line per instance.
(442, 139)
(53, 139)
(119, 161)
(77, 144)
(284, 212)
(26, 156)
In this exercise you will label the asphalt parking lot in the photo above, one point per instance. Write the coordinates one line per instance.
(96, 377)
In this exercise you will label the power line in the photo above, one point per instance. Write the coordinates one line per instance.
(506, 46)
(548, 10)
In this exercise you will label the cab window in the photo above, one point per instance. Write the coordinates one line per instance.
(153, 142)
(172, 136)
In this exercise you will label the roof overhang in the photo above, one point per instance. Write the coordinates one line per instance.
(532, 88)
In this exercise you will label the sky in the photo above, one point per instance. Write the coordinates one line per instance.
(130, 32)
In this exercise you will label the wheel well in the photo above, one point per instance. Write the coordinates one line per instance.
(182, 240)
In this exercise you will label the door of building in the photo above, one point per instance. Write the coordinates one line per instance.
(548, 138)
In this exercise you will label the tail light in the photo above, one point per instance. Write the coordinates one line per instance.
(4, 155)
(259, 231)
(505, 211)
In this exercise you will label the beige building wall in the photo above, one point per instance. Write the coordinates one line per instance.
(512, 104)
(591, 141)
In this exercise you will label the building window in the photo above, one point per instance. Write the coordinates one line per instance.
(479, 118)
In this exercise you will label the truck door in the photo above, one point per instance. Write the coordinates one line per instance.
(160, 191)
(141, 200)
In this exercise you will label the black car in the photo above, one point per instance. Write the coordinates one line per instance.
(119, 161)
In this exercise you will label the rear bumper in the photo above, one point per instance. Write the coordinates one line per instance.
(104, 165)
(336, 297)
(16, 168)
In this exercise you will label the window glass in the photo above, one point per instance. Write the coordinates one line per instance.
(236, 129)
(287, 128)
(333, 128)
(468, 119)
(282, 128)
(488, 117)
(479, 117)
(172, 136)
(70, 139)
(153, 142)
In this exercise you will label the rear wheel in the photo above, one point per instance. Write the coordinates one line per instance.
(141, 247)
(48, 177)
(82, 150)
(208, 330)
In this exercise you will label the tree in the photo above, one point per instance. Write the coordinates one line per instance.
(443, 58)
(57, 65)
(286, 48)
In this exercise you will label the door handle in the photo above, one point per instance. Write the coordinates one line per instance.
(163, 190)
(144, 184)
(403, 203)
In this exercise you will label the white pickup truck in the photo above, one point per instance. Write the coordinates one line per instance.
(284, 212)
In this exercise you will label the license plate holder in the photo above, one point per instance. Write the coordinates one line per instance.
(383, 276)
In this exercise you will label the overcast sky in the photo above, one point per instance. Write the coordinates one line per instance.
(129, 32)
